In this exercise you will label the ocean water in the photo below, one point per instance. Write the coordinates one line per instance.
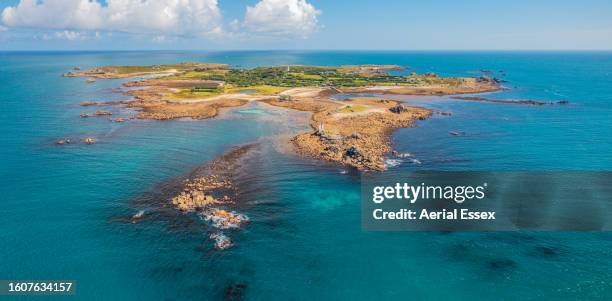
(65, 209)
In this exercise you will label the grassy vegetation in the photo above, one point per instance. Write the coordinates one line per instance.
(305, 76)
(196, 75)
(274, 80)
(302, 76)
(352, 109)
(315, 76)
(203, 92)
(289, 76)
(197, 67)
(192, 93)
(263, 79)
(261, 89)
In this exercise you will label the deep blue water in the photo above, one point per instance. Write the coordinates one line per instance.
(62, 207)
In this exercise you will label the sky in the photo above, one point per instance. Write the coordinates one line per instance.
(305, 24)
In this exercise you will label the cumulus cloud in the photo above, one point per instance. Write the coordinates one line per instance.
(282, 18)
(168, 17)
(159, 39)
(69, 35)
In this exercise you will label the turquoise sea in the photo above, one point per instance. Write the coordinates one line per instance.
(65, 209)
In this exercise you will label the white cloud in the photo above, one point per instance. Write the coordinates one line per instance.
(234, 25)
(168, 17)
(2, 28)
(69, 35)
(44, 36)
(159, 39)
(282, 18)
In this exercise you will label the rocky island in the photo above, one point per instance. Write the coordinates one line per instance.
(352, 132)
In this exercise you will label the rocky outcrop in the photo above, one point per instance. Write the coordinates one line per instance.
(398, 109)
(97, 113)
(358, 139)
(197, 193)
(354, 153)
(192, 200)
(89, 140)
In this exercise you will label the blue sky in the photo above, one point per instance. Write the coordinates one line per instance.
(305, 24)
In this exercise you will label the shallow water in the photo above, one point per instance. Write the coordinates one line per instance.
(62, 205)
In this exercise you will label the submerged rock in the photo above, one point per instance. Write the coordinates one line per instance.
(501, 264)
(138, 216)
(415, 161)
(88, 103)
(456, 133)
(103, 113)
(235, 291)
(89, 140)
(222, 242)
(402, 155)
(546, 251)
(223, 219)
(392, 162)
(63, 141)
(97, 113)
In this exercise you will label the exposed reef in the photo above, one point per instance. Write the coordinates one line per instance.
(520, 101)
(210, 193)
(97, 113)
(198, 193)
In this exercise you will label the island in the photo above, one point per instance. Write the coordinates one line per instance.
(354, 131)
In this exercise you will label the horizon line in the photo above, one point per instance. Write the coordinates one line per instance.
(307, 50)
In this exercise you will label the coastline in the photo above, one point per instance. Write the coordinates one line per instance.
(354, 132)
